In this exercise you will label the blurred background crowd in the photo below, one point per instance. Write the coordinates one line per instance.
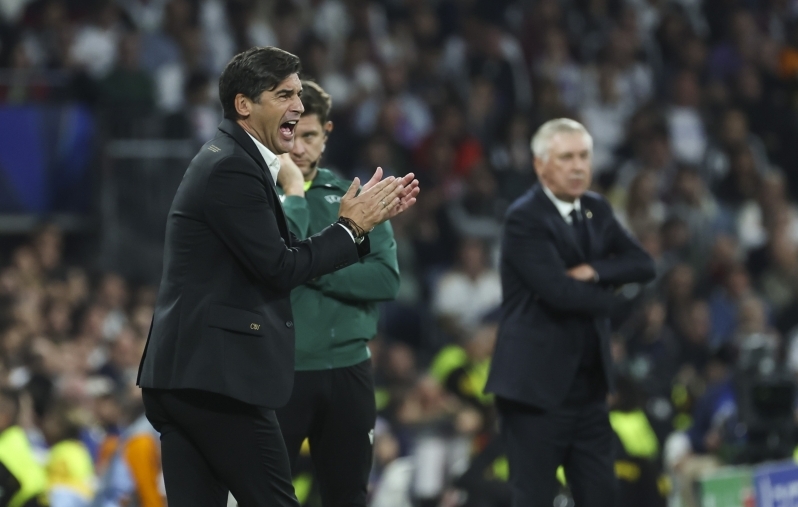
(693, 108)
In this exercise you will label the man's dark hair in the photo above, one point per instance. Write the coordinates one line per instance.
(252, 72)
(316, 101)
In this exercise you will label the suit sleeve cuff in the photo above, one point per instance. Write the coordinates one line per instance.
(351, 235)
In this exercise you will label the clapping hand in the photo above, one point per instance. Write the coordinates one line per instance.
(407, 198)
(379, 199)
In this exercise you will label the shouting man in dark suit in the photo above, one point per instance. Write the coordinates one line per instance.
(220, 355)
(563, 252)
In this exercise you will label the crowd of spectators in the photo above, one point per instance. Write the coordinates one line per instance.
(693, 108)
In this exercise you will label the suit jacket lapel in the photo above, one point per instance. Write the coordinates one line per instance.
(235, 131)
(564, 231)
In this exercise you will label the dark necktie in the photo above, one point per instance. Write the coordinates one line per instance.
(580, 229)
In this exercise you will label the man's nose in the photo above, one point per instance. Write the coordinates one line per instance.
(297, 106)
(299, 147)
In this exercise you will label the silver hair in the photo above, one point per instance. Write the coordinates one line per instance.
(542, 138)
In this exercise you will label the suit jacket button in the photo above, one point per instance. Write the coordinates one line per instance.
(288, 323)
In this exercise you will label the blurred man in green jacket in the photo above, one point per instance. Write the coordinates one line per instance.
(332, 403)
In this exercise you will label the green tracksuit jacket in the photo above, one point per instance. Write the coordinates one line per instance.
(336, 314)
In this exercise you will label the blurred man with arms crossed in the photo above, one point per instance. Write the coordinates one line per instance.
(563, 252)
(332, 403)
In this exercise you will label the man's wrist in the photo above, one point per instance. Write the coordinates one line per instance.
(351, 230)
(353, 227)
(296, 190)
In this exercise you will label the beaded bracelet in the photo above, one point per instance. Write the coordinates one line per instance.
(358, 231)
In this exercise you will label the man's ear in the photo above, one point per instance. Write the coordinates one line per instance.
(538, 164)
(243, 105)
(328, 127)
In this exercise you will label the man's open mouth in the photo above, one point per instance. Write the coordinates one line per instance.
(287, 129)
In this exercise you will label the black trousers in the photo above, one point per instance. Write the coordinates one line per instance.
(212, 443)
(335, 410)
(577, 436)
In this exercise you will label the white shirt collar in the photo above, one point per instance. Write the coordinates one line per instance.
(565, 208)
(272, 161)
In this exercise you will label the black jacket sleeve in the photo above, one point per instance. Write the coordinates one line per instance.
(238, 210)
(531, 252)
(627, 261)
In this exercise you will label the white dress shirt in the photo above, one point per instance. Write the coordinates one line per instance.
(565, 208)
(273, 163)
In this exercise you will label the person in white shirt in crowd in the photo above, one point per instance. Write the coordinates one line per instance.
(467, 292)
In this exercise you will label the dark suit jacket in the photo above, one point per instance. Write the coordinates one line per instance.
(223, 320)
(545, 314)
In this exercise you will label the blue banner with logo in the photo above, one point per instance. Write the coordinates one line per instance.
(777, 485)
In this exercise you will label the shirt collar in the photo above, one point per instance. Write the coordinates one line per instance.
(272, 161)
(565, 208)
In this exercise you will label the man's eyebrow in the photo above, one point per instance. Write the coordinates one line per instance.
(286, 91)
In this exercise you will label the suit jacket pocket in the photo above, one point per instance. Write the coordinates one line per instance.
(235, 320)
